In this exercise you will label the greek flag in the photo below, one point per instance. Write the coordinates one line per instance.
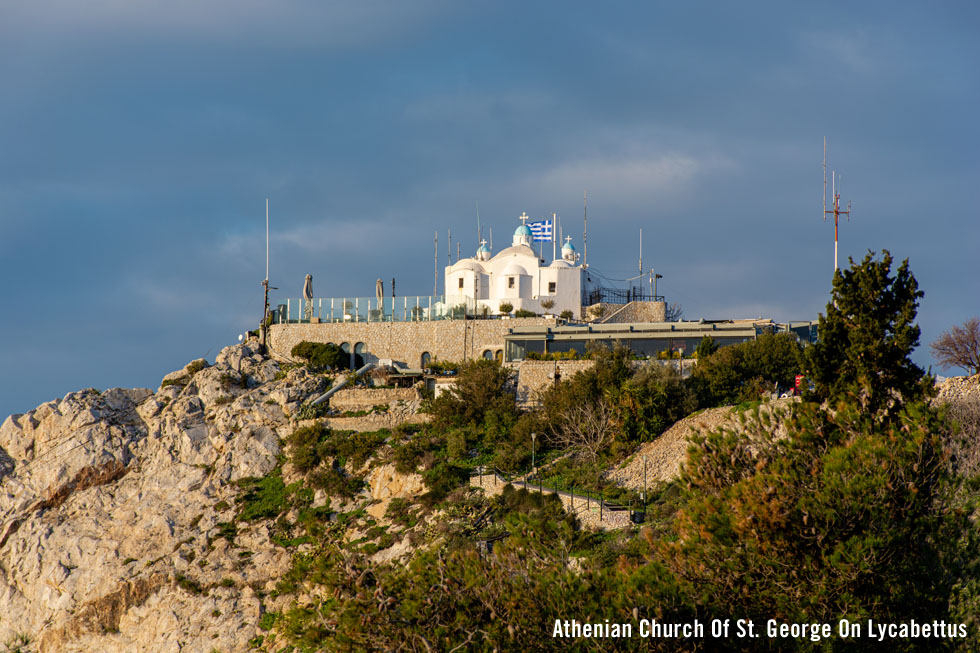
(541, 230)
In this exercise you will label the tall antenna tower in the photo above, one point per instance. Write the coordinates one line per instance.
(835, 191)
(585, 230)
(435, 267)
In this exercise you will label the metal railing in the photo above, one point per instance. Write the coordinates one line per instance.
(619, 296)
(410, 308)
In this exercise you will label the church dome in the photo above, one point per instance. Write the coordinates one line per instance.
(523, 230)
(514, 269)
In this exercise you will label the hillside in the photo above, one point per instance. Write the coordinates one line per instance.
(135, 520)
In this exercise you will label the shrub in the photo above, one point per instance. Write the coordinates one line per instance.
(842, 516)
(304, 446)
(262, 498)
(740, 372)
(480, 389)
(548, 304)
(442, 479)
(525, 313)
(506, 308)
(320, 357)
(566, 315)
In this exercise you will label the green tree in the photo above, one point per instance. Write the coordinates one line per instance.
(737, 372)
(844, 516)
(321, 356)
(706, 347)
(480, 392)
(867, 337)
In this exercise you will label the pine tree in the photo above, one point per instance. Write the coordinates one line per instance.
(867, 336)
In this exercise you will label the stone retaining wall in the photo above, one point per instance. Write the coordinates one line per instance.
(360, 398)
(448, 340)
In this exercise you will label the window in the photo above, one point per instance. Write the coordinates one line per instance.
(488, 354)
(552, 285)
(499, 356)
(510, 282)
(461, 283)
(426, 359)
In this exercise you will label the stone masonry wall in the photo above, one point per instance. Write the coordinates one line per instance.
(535, 376)
(359, 398)
(635, 312)
(450, 340)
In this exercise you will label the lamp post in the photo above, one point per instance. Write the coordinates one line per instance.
(644, 483)
(534, 437)
(656, 277)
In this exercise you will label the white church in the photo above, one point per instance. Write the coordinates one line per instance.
(517, 276)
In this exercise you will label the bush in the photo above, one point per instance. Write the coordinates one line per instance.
(480, 389)
(739, 372)
(305, 446)
(442, 479)
(506, 308)
(262, 498)
(842, 516)
(334, 481)
(525, 313)
(566, 315)
(321, 357)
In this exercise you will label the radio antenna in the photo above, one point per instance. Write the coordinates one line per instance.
(835, 203)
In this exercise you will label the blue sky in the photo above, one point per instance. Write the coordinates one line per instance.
(140, 139)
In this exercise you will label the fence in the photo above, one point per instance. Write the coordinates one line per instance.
(588, 502)
(419, 308)
(618, 296)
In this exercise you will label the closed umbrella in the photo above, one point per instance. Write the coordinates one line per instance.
(308, 296)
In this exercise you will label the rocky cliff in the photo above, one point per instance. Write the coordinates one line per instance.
(112, 503)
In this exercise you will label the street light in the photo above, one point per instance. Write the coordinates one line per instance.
(644, 483)
(533, 438)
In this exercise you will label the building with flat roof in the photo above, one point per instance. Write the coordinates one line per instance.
(647, 339)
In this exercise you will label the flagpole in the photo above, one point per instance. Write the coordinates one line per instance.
(554, 250)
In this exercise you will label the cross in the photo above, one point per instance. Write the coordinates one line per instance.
(523, 217)
(568, 239)
(484, 242)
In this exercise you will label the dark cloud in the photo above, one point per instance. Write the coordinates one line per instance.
(140, 140)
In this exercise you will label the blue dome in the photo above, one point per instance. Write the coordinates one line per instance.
(484, 248)
(568, 247)
(523, 230)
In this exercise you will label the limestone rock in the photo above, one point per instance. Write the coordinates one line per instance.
(110, 510)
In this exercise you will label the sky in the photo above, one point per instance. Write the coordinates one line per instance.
(140, 139)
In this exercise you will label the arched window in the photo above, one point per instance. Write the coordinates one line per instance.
(360, 348)
(345, 347)
(499, 356)
(488, 354)
(426, 359)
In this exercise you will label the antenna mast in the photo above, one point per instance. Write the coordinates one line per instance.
(641, 251)
(835, 194)
(264, 328)
(585, 230)
(435, 266)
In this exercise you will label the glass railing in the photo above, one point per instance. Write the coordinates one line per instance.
(418, 308)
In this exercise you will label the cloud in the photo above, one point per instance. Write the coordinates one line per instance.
(853, 49)
(629, 180)
(295, 23)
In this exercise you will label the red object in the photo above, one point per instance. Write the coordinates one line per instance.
(799, 382)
